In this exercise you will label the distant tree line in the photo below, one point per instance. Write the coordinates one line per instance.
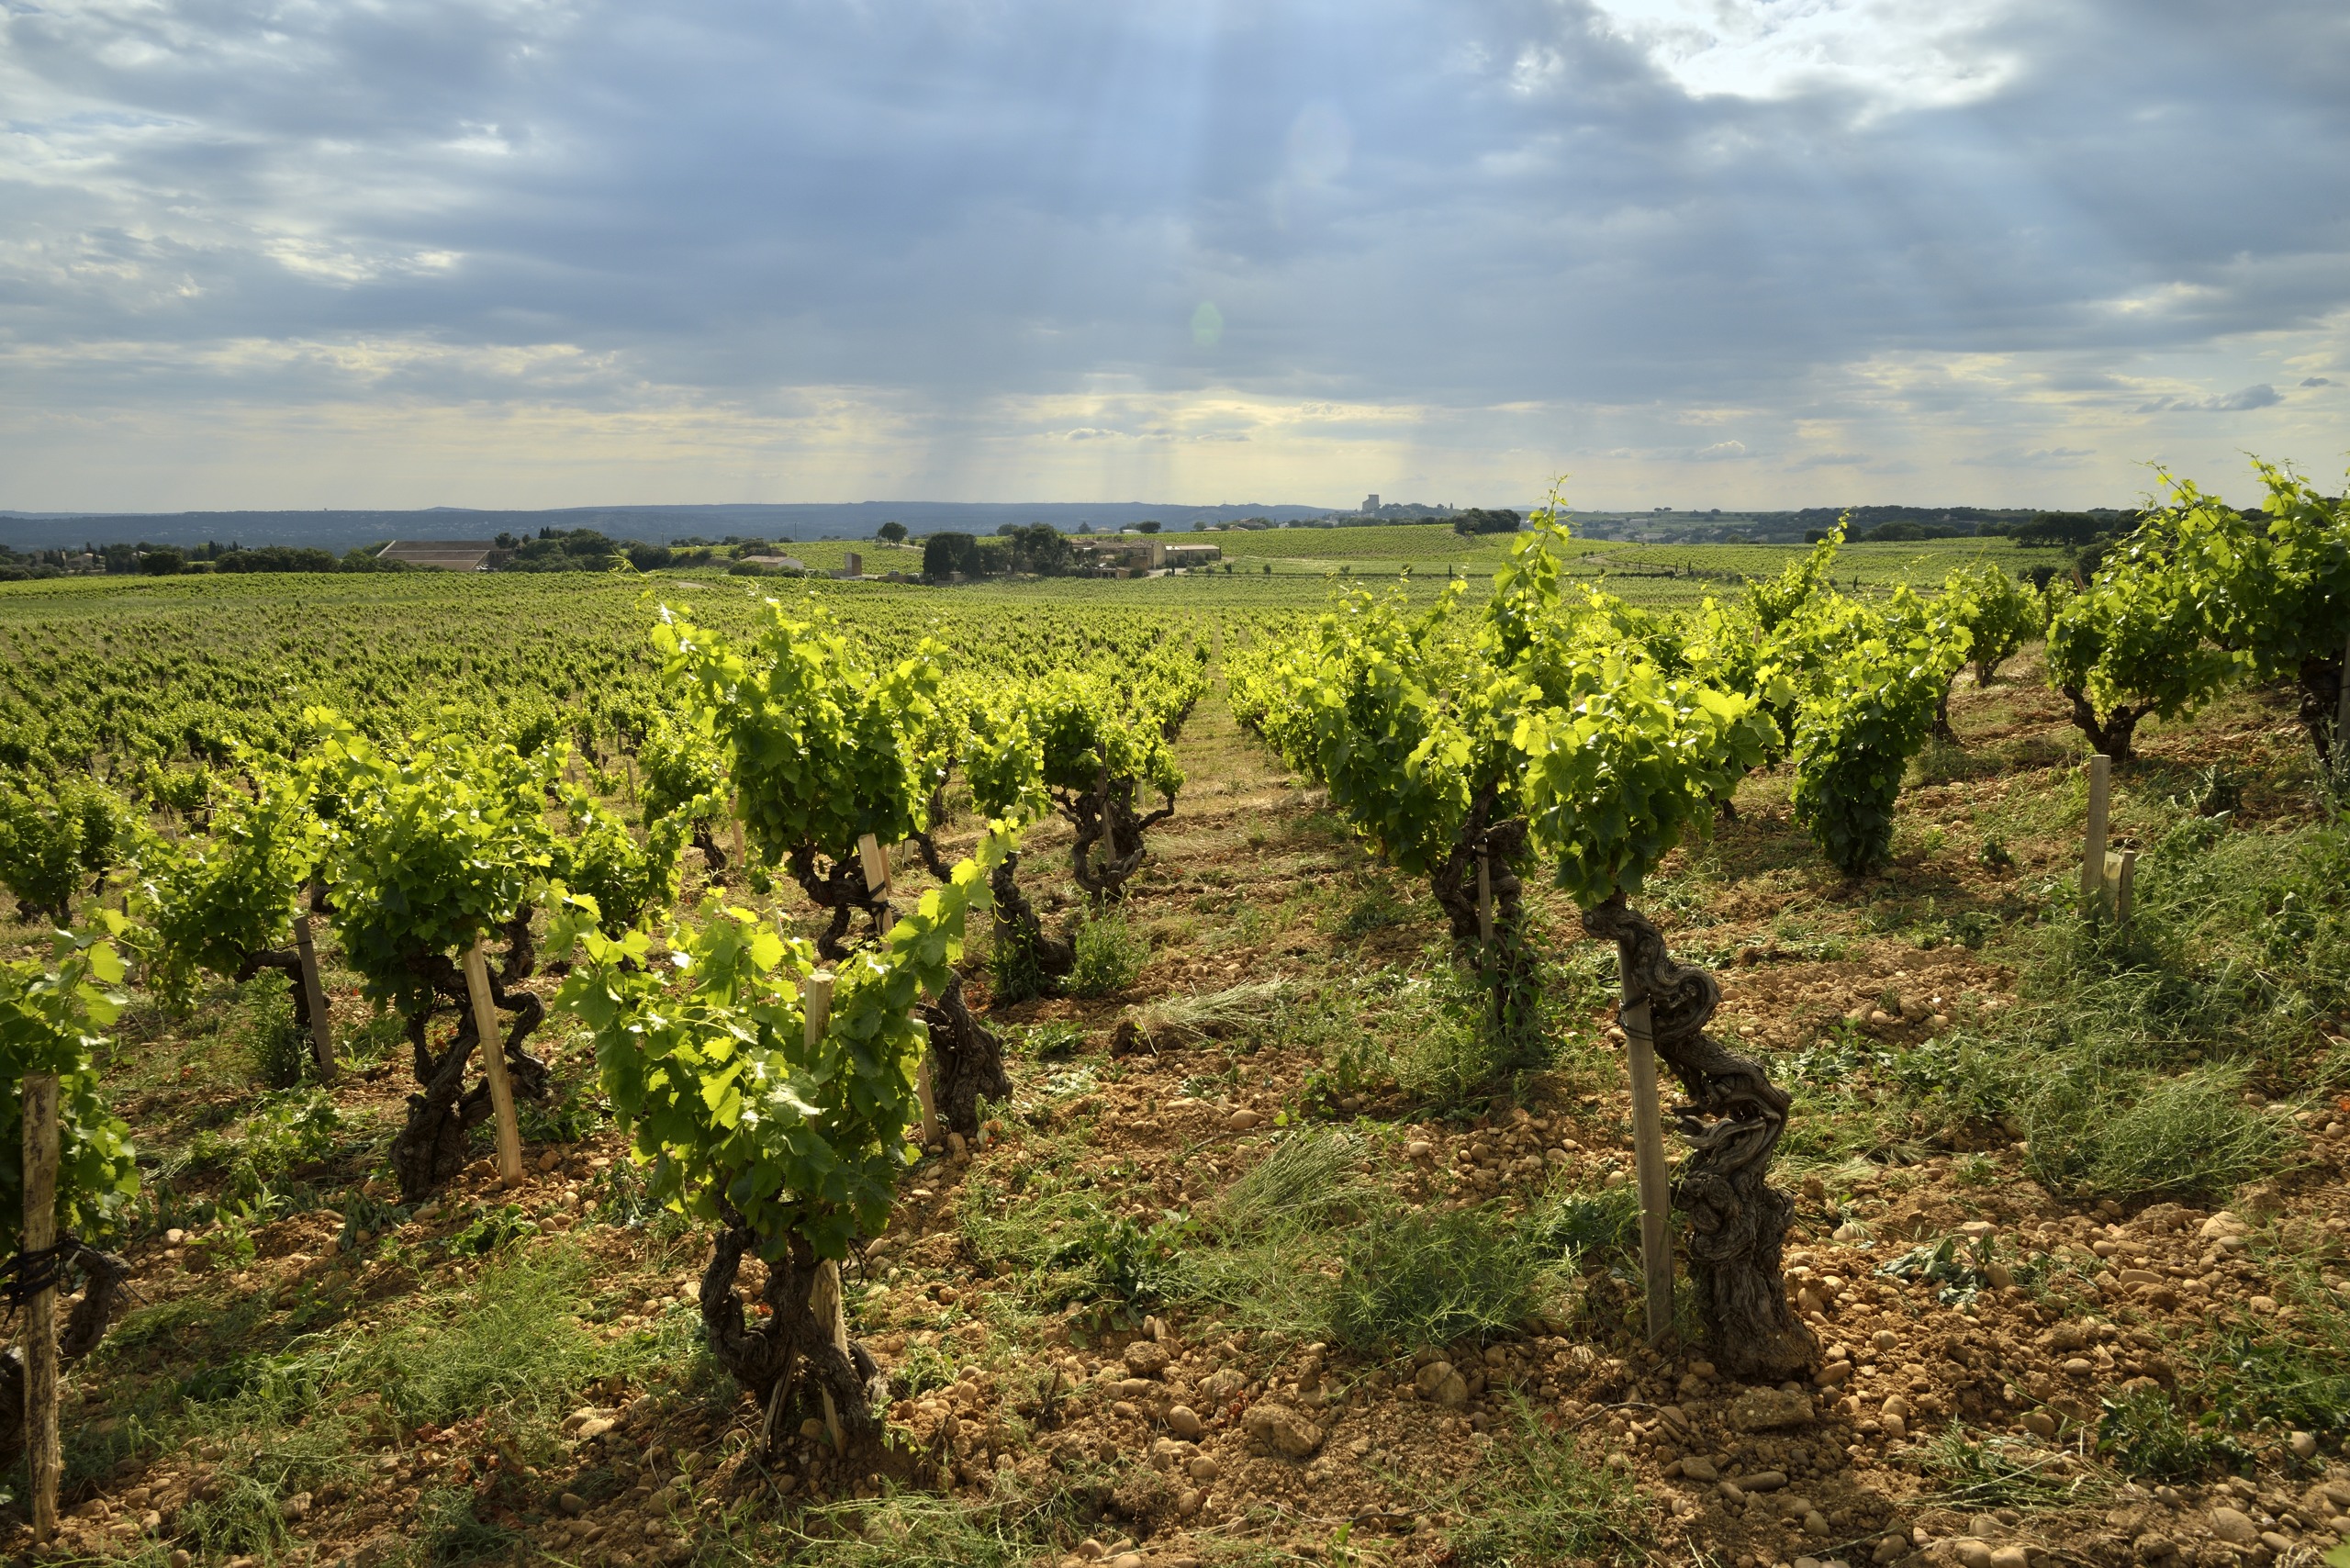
(1031, 549)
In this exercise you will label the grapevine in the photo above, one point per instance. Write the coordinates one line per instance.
(428, 850)
(53, 1014)
(788, 1137)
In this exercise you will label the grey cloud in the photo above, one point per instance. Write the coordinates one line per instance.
(936, 206)
(2018, 458)
(2260, 396)
(2315, 381)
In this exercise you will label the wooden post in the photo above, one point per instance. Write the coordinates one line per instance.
(40, 1315)
(1484, 897)
(2342, 717)
(314, 995)
(1648, 1152)
(824, 1297)
(742, 862)
(929, 1100)
(2122, 885)
(2093, 845)
(816, 1004)
(875, 864)
(493, 1065)
(824, 1304)
(630, 763)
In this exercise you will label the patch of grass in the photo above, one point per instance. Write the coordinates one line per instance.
(1110, 954)
(921, 1529)
(1433, 1278)
(510, 1340)
(1590, 1228)
(1993, 1471)
(2144, 1435)
(1535, 1502)
(281, 1052)
(1310, 1179)
(2140, 1136)
(449, 1530)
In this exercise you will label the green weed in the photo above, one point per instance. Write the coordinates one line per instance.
(1110, 954)
(1433, 1278)
(1535, 1502)
(2144, 1435)
(509, 1341)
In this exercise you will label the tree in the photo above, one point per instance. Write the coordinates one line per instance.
(944, 554)
(1004, 764)
(163, 561)
(1148, 526)
(685, 779)
(819, 745)
(893, 533)
(50, 842)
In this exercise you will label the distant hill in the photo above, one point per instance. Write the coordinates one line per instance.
(339, 531)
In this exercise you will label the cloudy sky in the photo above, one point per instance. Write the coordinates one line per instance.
(1694, 252)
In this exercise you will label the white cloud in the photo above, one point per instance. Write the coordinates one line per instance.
(1896, 53)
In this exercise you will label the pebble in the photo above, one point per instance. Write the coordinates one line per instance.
(2303, 1444)
(2010, 1557)
(1971, 1554)
(1698, 1468)
(2234, 1527)
(1241, 1121)
(1185, 1422)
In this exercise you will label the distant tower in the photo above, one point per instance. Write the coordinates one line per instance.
(1370, 502)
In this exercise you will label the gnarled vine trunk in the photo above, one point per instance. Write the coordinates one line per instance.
(790, 1361)
(713, 858)
(1732, 1120)
(286, 961)
(2111, 738)
(843, 891)
(1108, 848)
(430, 1148)
(106, 1280)
(1027, 963)
(2321, 686)
(966, 1061)
(1508, 964)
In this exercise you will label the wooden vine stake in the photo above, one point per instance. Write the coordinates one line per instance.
(928, 1099)
(41, 1313)
(2093, 845)
(1648, 1153)
(2121, 881)
(2341, 718)
(740, 862)
(1484, 898)
(493, 1065)
(875, 864)
(824, 1296)
(314, 993)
